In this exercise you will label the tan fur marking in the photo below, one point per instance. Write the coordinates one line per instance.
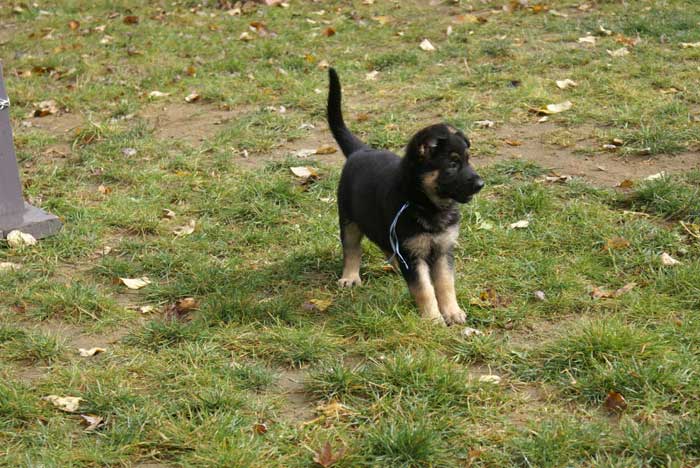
(444, 282)
(424, 294)
(352, 256)
(451, 129)
(422, 244)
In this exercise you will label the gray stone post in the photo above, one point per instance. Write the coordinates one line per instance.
(14, 212)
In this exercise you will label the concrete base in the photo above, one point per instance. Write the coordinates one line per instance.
(31, 220)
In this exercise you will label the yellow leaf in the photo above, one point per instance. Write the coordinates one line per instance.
(135, 283)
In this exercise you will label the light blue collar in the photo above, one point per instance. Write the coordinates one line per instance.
(394, 239)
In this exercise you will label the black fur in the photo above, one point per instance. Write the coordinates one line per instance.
(374, 184)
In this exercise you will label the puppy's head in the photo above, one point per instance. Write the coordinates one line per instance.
(441, 155)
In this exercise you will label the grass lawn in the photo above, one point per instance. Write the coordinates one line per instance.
(276, 366)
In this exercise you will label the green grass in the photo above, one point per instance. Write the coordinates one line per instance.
(194, 391)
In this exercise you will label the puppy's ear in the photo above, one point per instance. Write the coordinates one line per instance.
(428, 147)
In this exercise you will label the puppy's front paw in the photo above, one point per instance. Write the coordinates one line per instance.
(454, 316)
(349, 282)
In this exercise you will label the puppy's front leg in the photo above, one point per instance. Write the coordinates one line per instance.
(418, 279)
(442, 274)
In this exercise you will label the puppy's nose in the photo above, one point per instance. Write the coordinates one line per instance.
(478, 184)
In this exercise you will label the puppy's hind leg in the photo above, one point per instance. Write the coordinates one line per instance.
(351, 238)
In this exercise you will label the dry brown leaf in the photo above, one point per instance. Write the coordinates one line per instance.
(491, 378)
(157, 94)
(90, 352)
(317, 305)
(9, 266)
(627, 183)
(73, 25)
(667, 260)
(168, 213)
(131, 19)
(468, 19)
(335, 409)
(147, 309)
(135, 283)
(193, 97)
(616, 243)
(325, 457)
(17, 239)
(104, 190)
(185, 230)
(245, 36)
(621, 52)
(383, 19)
(557, 108)
(44, 108)
(523, 223)
(371, 76)
(304, 172)
(260, 428)
(566, 83)
(329, 31)
(598, 293)
(68, 404)
(587, 40)
(615, 402)
(427, 46)
(326, 149)
(690, 45)
(92, 422)
(658, 175)
(181, 309)
(628, 41)
(513, 142)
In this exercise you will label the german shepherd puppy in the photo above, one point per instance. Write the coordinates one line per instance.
(407, 206)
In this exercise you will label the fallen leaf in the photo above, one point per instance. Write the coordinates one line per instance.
(131, 19)
(304, 172)
(557, 13)
(542, 119)
(513, 142)
(323, 65)
(68, 404)
(539, 295)
(492, 379)
(598, 293)
(557, 178)
(168, 213)
(667, 260)
(317, 305)
(603, 31)
(104, 190)
(181, 308)
(128, 152)
(90, 352)
(304, 153)
(44, 108)
(329, 31)
(615, 402)
(383, 19)
(519, 224)
(135, 283)
(325, 456)
(628, 41)
(17, 239)
(557, 108)
(468, 19)
(260, 428)
(609, 147)
(371, 76)
(193, 97)
(73, 25)
(690, 45)
(157, 94)
(484, 123)
(326, 149)
(658, 175)
(449, 31)
(427, 45)
(566, 83)
(185, 230)
(627, 183)
(617, 142)
(9, 266)
(616, 243)
(92, 422)
(106, 39)
(245, 36)
(468, 332)
(621, 52)
(335, 409)
(147, 309)
(587, 40)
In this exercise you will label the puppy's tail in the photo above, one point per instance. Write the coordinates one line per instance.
(348, 142)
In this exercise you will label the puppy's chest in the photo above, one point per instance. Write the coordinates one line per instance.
(425, 244)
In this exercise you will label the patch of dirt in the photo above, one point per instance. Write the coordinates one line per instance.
(30, 374)
(299, 407)
(76, 338)
(191, 123)
(60, 125)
